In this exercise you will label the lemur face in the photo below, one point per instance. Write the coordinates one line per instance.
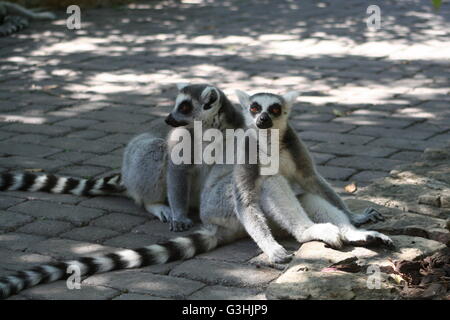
(194, 103)
(266, 110)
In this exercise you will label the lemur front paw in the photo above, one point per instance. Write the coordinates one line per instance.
(365, 238)
(325, 232)
(182, 224)
(369, 215)
(279, 255)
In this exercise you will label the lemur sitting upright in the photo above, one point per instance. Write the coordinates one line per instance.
(320, 201)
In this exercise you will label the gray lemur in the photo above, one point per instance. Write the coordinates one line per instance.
(221, 224)
(320, 202)
(14, 17)
(148, 175)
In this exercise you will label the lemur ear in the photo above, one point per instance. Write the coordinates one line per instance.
(182, 85)
(290, 97)
(209, 96)
(244, 98)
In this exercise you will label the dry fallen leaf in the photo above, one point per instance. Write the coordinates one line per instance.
(351, 188)
(396, 278)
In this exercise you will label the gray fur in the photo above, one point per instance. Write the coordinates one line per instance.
(14, 17)
(149, 175)
(322, 204)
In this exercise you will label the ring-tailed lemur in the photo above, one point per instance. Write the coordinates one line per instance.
(149, 175)
(14, 17)
(146, 168)
(221, 225)
(320, 201)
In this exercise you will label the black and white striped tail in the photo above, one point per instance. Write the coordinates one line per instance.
(54, 184)
(175, 249)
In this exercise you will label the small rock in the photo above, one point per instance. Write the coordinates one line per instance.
(430, 199)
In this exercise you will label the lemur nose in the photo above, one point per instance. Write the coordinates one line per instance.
(264, 117)
(264, 121)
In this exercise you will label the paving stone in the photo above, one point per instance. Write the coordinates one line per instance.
(6, 201)
(146, 283)
(28, 138)
(346, 149)
(77, 123)
(135, 296)
(87, 134)
(334, 137)
(157, 228)
(12, 220)
(74, 214)
(407, 156)
(445, 137)
(60, 291)
(14, 260)
(5, 135)
(37, 128)
(18, 162)
(91, 234)
(118, 221)
(115, 127)
(122, 138)
(47, 228)
(134, 240)
(372, 121)
(321, 158)
(81, 145)
(68, 249)
(366, 163)
(385, 132)
(117, 204)
(322, 127)
(72, 157)
(106, 161)
(227, 293)
(368, 176)
(335, 173)
(240, 251)
(404, 144)
(224, 273)
(110, 115)
(26, 149)
(320, 117)
(18, 241)
(82, 171)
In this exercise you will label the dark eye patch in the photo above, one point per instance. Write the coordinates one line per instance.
(275, 109)
(255, 108)
(185, 107)
(212, 99)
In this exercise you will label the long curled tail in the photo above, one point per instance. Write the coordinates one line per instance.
(54, 184)
(175, 249)
(16, 9)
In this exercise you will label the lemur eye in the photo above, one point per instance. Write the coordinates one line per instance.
(185, 107)
(275, 109)
(255, 108)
